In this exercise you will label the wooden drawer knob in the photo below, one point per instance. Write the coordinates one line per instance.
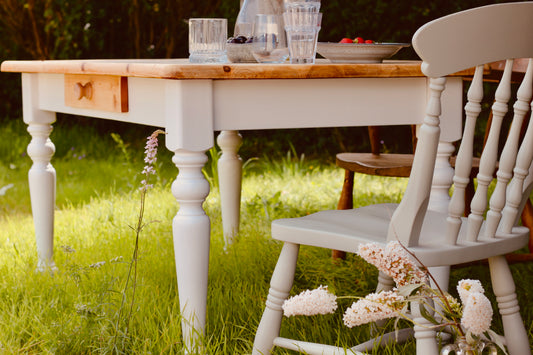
(82, 91)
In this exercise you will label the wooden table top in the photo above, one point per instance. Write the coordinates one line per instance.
(182, 69)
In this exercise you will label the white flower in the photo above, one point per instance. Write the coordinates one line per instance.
(467, 286)
(97, 265)
(310, 303)
(374, 307)
(393, 261)
(477, 313)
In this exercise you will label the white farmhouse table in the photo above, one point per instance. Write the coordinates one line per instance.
(191, 102)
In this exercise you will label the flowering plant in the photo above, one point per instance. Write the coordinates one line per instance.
(470, 318)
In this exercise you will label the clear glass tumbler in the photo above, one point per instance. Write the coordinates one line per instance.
(302, 35)
(298, 5)
(207, 40)
(269, 43)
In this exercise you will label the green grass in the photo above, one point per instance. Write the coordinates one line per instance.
(74, 311)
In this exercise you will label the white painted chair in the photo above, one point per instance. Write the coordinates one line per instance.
(459, 41)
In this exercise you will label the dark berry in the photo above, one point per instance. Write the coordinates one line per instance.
(240, 39)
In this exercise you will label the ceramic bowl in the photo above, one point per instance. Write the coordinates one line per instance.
(358, 52)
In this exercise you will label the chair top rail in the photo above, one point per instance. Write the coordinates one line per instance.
(476, 34)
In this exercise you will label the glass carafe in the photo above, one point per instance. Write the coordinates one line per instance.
(245, 20)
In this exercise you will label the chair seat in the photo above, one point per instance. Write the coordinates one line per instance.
(346, 229)
(395, 165)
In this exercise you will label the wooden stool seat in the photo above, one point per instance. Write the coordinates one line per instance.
(398, 165)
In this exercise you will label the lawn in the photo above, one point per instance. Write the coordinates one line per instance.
(75, 310)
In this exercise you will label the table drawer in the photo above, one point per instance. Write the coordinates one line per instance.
(97, 92)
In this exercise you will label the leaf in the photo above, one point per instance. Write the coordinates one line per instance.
(409, 289)
(426, 315)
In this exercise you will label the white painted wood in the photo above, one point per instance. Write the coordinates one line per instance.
(438, 49)
(508, 155)
(447, 45)
(281, 103)
(442, 178)
(425, 334)
(504, 289)
(313, 348)
(517, 185)
(191, 229)
(487, 163)
(280, 286)
(463, 163)
(229, 179)
(407, 220)
(42, 175)
(189, 114)
(146, 100)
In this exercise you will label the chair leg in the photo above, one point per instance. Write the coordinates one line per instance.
(345, 203)
(504, 289)
(425, 335)
(280, 286)
(346, 199)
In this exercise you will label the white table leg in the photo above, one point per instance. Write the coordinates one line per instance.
(442, 178)
(42, 175)
(191, 228)
(42, 181)
(229, 179)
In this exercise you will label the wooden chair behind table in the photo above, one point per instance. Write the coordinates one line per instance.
(399, 165)
(447, 45)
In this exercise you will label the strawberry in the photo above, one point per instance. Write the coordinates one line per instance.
(369, 41)
(346, 40)
(358, 40)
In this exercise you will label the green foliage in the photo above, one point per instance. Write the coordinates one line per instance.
(98, 201)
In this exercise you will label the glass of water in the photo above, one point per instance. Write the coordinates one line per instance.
(302, 29)
(269, 43)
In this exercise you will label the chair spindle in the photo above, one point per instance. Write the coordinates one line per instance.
(508, 156)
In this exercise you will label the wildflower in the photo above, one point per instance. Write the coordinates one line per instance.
(466, 287)
(393, 261)
(374, 307)
(150, 151)
(97, 265)
(116, 259)
(310, 303)
(477, 313)
(68, 249)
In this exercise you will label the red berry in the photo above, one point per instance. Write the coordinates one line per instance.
(358, 40)
(346, 40)
(369, 41)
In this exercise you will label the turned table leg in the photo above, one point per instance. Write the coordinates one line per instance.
(191, 229)
(229, 178)
(42, 175)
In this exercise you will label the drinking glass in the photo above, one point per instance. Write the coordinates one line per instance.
(298, 5)
(269, 43)
(207, 40)
(302, 29)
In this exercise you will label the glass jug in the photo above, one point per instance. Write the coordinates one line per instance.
(245, 20)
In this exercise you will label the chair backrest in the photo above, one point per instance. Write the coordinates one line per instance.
(467, 39)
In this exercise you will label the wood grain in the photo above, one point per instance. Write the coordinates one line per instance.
(99, 92)
(182, 69)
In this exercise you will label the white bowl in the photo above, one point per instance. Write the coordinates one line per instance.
(358, 52)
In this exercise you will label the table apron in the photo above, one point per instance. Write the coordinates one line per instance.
(215, 105)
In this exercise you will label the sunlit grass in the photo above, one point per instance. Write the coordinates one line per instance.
(74, 311)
